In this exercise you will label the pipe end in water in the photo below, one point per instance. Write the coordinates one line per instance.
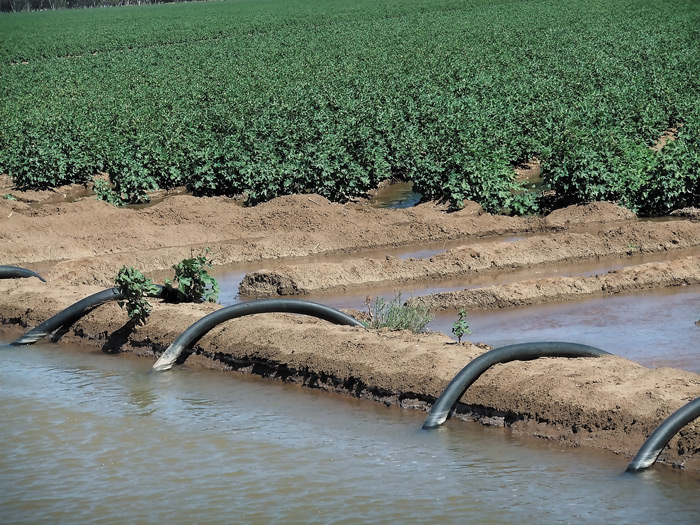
(24, 340)
(162, 365)
(434, 421)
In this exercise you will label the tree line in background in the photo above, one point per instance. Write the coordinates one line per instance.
(15, 6)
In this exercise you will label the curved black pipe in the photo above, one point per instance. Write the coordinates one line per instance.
(12, 272)
(520, 352)
(655, 443)
(70, 314)
(261, 306)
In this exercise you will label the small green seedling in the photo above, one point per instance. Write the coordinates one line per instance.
(461, 327)
(397, 315)
(194, 284)
(135, 287)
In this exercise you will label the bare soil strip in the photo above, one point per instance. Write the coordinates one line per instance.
(92, 239)
(608, 403)
(678, 272)
(556, 248)
(87, 241)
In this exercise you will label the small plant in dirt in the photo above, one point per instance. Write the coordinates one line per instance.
(396, 315)
(194, 284)
(460, 327)
(9, 197)
(135, 287)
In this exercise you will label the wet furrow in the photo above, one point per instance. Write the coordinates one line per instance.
(532, 252)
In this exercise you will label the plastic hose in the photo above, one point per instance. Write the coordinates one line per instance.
(70, 314)
(652, 447)
(520, 352)
(262, 306)
(13, 272)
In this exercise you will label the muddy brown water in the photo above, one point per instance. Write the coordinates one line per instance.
(397, 195)
(90, 437)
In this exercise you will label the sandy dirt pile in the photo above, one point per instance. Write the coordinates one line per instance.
(608, 403)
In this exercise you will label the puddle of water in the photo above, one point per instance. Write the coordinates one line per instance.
(428, 250)
(398, 195)
(655, 328)
(69, 196)
(93, 437)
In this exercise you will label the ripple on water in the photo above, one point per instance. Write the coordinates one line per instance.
(199, 446)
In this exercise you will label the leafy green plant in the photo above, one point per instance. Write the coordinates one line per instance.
(460, 327)
(105, 192)
(396, 315)
(126, 190)
(9, 197)
(194, 284)
(525, 203)
(135, 287)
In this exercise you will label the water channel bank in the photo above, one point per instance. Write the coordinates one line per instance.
(608, 403)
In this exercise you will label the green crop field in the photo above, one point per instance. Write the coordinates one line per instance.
(272, 97)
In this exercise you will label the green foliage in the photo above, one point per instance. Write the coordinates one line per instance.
(283, 97)
(461, 327)
(127, 189)
(135, 287)
(9, 197)
(194, 284)
(396, 315)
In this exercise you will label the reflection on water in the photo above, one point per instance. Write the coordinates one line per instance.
(397, 195)
(95, 437)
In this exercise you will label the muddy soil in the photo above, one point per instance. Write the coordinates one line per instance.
(677, 272)
(608, 403)
(87, 241)
(537, 251)
(91, 239)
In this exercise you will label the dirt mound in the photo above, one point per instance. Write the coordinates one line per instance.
(690, 213)
(294, 226)
(540, 250)
(584, 214)
(678, 272)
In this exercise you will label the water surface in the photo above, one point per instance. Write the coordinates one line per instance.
(91, 437)
(654, 328)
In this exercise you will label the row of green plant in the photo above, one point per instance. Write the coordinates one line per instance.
(281, 97)
(194, 285)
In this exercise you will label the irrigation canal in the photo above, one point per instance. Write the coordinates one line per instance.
(89, 437)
